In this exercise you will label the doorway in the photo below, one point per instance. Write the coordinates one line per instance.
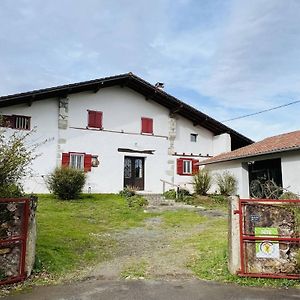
(134, 172)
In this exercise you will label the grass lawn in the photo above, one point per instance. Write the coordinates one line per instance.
(74, 234)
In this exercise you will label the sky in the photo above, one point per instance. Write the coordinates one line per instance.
(226, 58)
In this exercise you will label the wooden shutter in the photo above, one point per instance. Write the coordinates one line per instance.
(195, 167)
(95, 119)
(87, 162)
(65, 160)
(147, 125)
(179, 166)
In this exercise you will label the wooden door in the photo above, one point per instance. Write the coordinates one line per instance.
(134, 172)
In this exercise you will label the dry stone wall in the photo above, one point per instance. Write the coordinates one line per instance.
(11, 228)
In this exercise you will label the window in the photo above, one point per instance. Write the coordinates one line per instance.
(194, 137)
(95, 119)
(147, 125)
(76, 161)
(16, 122)
(81, 161)
(187, 166)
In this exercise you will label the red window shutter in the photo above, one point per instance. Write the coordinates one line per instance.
(179, 166)
(87, 162)
(147, 125)
(95, 119)
(195, 167)
(65, 160)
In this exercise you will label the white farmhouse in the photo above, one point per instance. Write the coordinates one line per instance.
(121, 130)
(275, 159)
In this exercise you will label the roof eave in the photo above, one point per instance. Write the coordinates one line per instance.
(248, 156)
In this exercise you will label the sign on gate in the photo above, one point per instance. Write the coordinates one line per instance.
(269, 238)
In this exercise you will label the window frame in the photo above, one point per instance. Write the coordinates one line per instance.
(77, 154)
(193, 137)
(146, 125)
(93, 124)
(14, 120)
(190, 166)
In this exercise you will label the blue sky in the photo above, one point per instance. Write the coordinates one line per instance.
(226, 58)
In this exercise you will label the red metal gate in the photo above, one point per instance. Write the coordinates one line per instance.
(265, 245)
(13, 238)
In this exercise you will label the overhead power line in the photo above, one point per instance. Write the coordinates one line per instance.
(262, 111)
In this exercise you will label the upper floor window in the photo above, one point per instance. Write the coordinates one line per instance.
(95, 119)
(147, 125)
(194, 137)
(16, 122)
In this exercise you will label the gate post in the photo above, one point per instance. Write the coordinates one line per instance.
(234, 259)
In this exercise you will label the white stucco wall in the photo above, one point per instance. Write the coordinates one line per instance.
(221, 143)
(290, 169)
(290, 163)
(122, 111)
(238, 169)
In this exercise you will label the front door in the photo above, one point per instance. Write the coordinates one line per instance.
(134, 172)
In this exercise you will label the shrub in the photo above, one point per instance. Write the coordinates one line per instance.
(227, 183)
(182, 193)
(128, 191)
(289, 196)
(66, 183)
(202, 182)
(218, 198)
(136, 201)
(11, 191)
(170, 194)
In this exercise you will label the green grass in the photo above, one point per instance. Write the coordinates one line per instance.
(73, 234)
(135, 270)
(182, 218)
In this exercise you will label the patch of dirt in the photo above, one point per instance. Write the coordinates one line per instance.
(160, 249)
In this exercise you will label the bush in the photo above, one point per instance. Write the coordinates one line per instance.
(182, 193)
(202, 182)
(289, 196)
(136, 201)
(227, 183)
(66, 183)
(128, 191)
(170, 194)
(218, 198)
(11, 191)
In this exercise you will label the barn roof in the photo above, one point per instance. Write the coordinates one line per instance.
(279, 143)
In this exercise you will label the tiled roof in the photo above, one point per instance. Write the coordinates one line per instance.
(139, 85)
(279, 143)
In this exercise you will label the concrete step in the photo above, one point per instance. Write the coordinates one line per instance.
(156, 199)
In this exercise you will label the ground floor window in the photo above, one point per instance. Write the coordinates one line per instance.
(187, 167)
(76, 160)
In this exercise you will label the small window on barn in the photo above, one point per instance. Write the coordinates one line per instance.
(147, 125)
(95, 119)
(16, 122)
(194, 137)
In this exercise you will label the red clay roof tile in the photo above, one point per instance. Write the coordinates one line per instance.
(283, 142)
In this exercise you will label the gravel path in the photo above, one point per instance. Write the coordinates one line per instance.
(155, 248)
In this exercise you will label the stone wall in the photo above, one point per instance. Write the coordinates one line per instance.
(268, 219)
(11, 222)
